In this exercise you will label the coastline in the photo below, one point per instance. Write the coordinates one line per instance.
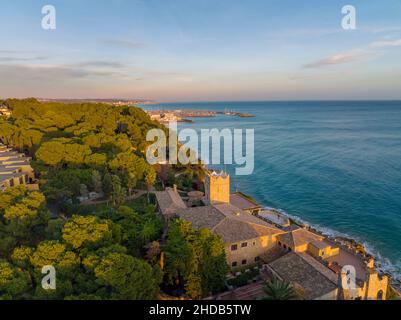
(383, 264)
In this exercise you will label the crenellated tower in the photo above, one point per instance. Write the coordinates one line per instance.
(217, 187)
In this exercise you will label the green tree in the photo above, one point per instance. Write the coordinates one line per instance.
(118, 193)
(127, 277)
(130, 183)
(150, 178)
(65, 184)
(107, 184)
(54, 229)
(56, 254)
(279, 290)
(195, 259)
(97, 181)
(25, 213)
(21, 256)
(62, 151)
(80, 231)
(14, 282)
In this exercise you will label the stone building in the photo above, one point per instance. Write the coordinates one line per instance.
(314, 264)
(15, 169)
(217, 188)
(334, 257)
(5, 111)
(169, 202)
(246, 204)
(309, 281)
(245, 236)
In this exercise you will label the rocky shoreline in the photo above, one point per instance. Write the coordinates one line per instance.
(352, 245)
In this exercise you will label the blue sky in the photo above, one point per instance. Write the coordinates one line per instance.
(187, 50)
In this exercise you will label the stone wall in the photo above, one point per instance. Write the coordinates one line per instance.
(254, 249)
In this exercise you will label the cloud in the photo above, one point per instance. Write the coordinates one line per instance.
(8, 51)
(92, 71)
(356, 54)
(101, 64)
(121, 43)
(9, 55)
(385, 29)
(338, 58)
(35, 72)
(386, 43)
(19, 59)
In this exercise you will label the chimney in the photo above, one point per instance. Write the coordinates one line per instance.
(175, 188)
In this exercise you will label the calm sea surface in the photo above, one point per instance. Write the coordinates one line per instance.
(335, 165)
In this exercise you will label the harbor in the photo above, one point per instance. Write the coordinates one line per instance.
(186, 115)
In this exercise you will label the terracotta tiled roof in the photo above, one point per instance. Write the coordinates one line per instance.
(240, 201)
(229, 222)
(299, 237)
(320, 244)
(295, 269)
(202, 217)
(249, 292)
(328, 273)
(169, 201)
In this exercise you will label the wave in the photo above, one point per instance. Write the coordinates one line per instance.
(382, 263)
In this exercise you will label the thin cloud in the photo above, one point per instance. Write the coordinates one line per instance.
(386, 30)
(21, 59)
(386, 43)
(60, 72)
(100, 70)
(8, 51)
(101, 64)
(339, 58)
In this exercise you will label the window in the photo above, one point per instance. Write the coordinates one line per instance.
(234, 264)
(284, 246)
(257, 259)
(243, 261)
(244, 244)
(234, 247)
(322, 253)
(279, 243)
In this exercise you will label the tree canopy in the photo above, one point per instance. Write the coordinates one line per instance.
(108, 250)
(85, 136)
(196, 257)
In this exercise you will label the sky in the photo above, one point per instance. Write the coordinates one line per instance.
(201, 50)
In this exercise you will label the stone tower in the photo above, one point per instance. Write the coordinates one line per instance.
(217, 187)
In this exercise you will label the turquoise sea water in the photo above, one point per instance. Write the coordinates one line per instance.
(334, 165)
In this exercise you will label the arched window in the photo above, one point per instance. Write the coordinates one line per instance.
(380, 295)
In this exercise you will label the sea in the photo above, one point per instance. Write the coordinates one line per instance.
(334, 165)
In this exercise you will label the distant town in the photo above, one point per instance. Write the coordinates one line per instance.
(185, 115)
(116, 102)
